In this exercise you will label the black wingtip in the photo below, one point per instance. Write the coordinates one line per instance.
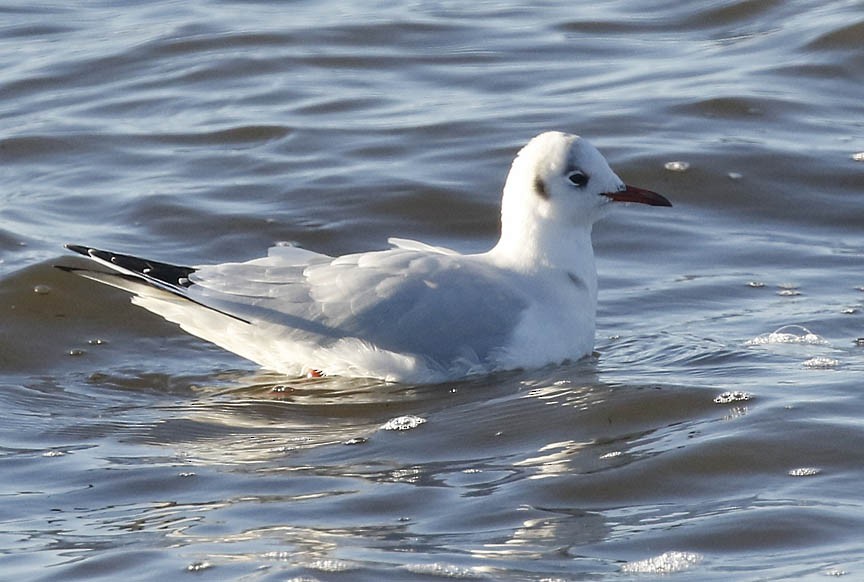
(176, 275)
(96, 253)
(81, 250)
(172, 279)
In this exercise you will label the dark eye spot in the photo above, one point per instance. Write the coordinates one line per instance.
(574, 278)
(540, 188)
(578, 178)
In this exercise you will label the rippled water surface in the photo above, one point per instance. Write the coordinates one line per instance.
(718, 433)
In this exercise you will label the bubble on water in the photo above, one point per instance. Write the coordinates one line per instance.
(42, 289)
(666, 563)
(406, 422)
(821, 362)
(788, 290)
(788, 334)
(445, 571)
(735, 175)
(835, 572)
(729, 397)
(858, 156)
(198, 566)
(356, 441)
(677, 166)
(804, 472)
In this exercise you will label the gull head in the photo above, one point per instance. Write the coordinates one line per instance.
(561, 178)
(558, 186)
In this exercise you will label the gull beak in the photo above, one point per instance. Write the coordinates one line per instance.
(634, 194)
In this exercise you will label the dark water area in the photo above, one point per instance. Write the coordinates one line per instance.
(717, 434)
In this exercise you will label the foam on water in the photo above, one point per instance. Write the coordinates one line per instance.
(788, 334)
(821, 362)
(443, 570)
(665, 563)
(804, 471)
(729, 397)
(328, 565)
(406, 422)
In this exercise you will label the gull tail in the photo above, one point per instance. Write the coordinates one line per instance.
(142, 278)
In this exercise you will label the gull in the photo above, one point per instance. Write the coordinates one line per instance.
(412, 313)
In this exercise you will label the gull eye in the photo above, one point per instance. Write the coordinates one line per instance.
(578, 178)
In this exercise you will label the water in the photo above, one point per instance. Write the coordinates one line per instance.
(693, 443)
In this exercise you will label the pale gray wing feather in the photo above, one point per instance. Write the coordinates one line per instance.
(407, 300)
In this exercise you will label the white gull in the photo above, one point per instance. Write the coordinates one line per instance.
(415, 312)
